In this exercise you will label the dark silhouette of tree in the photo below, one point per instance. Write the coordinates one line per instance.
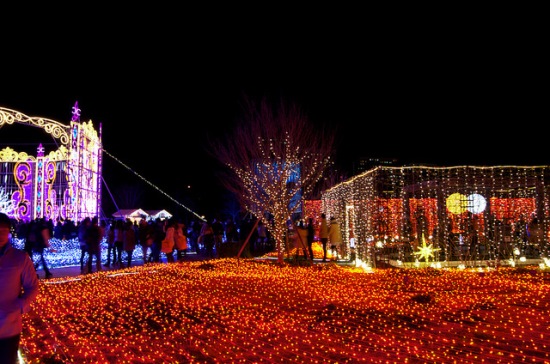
(130, 196)
(231, 207)
(274, 157)
(331, 177)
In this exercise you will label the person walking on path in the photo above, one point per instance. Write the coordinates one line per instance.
(168, 243)
(18, 287)
(110, 239)
(119, 242)
(30, 237)
(180, 239)
(83, 227)
(206, 237)
(94, 236)
(43, 237)
(217, 228)
(158, 236)
(323, 235)
(310, 237)
(335, 237)
(129, 241)
(145, 238)
(261, 242)
(300, 239)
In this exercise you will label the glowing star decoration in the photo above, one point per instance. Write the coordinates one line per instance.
(426, 251)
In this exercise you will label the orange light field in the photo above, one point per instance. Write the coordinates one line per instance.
(245, 311)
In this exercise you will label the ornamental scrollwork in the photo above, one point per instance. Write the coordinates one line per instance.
(62, 154)
(55, 128)
(9, 155)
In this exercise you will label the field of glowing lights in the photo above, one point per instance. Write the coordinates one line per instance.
(247, 311)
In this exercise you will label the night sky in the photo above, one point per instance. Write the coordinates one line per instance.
(424, 102)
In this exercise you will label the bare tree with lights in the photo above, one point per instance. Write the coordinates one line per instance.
(274, 156)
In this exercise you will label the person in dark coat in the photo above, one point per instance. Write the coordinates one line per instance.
(93, 236)
(43, 236)
(18, 289)
(310, 236)
(158, 236)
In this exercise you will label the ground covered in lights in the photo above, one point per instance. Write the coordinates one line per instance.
(247, 311)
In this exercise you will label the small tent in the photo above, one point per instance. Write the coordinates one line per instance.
(159, 214)
(134, 215)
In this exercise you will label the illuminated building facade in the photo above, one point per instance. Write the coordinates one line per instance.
(467, 214)
(56, 185)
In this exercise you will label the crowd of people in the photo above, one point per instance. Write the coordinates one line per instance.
(160, 240)
(112, 243)
(304, 234)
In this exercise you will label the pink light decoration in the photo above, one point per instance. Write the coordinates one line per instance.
(75, 112)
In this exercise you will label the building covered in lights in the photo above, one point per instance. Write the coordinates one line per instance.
(433, 215)
(57, 184)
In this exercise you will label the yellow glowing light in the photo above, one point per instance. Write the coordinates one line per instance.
(426, 251)
(457, 203)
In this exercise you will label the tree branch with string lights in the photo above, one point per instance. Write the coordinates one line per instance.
(274, 157)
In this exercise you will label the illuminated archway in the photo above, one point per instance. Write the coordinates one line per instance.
(60, 184)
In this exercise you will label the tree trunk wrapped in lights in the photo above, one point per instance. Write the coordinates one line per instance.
(275, 158)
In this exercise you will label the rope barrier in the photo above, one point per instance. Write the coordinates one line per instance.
(152, 185)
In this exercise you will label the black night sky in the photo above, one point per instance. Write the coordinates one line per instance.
(417, 99)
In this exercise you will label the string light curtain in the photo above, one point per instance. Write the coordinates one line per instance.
(472, 214)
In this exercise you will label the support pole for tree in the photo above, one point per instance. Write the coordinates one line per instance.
(304, 245)
(248, 237)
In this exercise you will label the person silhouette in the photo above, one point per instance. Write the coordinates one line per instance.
(19, 287)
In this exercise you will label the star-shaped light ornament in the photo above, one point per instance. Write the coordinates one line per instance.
(426, 251)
